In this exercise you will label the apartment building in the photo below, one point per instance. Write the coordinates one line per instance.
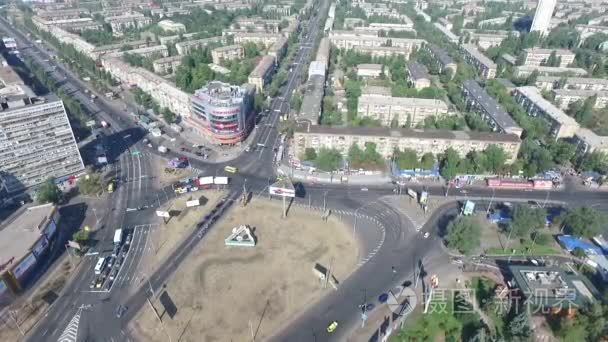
(538, 56)
(184, 48)
(72, 25)
(485, 67)
(418, 76)
(36, 142)
(487, 40)
(442, 58)
(587, 142)
(580, 83)
(171, 26)
(407, 26)
(387, 140)
(350, 40)
(312, 103)
(165, 93)
(227, 53)
(114, 48)
(176, 38)
(168, 12)
(526, 70)
(146, 52)
(262, 73)
(447, 33)
(564, 97)
(369, 70)
(167, 65)
(278, 49)
(126, 21)
(317, 68)
(72, 13)
(323, 51)
(66, 37)
(279, 10)
(378, 104)
(264, 38)
(383, 51)
(562, 125)
(478, 100)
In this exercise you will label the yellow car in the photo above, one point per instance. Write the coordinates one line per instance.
(332, 327)
(110, 187)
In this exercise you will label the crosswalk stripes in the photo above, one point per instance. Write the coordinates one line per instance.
(70, 334)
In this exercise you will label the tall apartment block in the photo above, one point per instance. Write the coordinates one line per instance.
(36, 142)
(542, 17)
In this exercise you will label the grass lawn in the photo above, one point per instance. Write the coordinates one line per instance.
(523, 250)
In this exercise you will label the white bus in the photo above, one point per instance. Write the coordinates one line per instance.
(101, 262)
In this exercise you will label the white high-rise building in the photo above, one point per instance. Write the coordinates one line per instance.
(542, 17)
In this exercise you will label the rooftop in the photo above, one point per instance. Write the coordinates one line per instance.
(21, 231)
(483, 59)
(580, 92)
(221, 91)
(311, 103)
(441, 55)
(557, 114)
(489, 104)
(263, 65)
(548, 69)
(418, 71)
(594, 140)
(551, 286)
(227, 48)
(376, 67)
(549, 51)
(409, 133)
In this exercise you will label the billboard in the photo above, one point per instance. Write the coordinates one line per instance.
(40, 246)
(282, 192)
(51, 228)
(25, 265)
(193, 203)
(412, 193)
(468, 208)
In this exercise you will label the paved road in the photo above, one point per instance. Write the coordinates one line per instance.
(386, 236)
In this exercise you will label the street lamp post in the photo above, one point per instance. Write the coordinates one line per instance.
(491, 200)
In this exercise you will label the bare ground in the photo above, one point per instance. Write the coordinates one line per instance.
(224, 293)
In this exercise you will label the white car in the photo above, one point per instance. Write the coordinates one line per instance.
(426, 235)
(364, 189)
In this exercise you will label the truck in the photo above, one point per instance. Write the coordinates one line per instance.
(118, 237)
(162, 149)
(104, 124)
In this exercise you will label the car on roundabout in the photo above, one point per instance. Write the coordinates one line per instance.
(332, 327)
(426, 235)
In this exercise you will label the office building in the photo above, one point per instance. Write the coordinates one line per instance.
(442, 58)
(36, 142)
(478, 100)
(262, 73)
(561, 125)
(25, 238)
(369, 70)
(387, 140)
(223, 113)
(485, 67)
(542, 16)
(167, 65)
(526, 70)
(418, 76)
(537, 56)
(564, 97)
(227, 53)
(378, 104)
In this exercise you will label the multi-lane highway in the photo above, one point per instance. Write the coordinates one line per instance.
(388, 239)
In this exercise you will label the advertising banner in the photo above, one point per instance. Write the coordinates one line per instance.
(160, 213)
(40, 246)
(413, 194)
(25, 265)
(468, 209)
(282, 192)
(220, 180)
(193, 203)
(424, 197)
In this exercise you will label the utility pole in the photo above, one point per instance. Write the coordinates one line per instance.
(546, 199)
(508, 240)
(324, 201)
(491, 200)
(284, 207)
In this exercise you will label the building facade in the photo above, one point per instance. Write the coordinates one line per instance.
(262, 73)
(537, 56)
(222, 112)
(564, 97)
(418, 76)
(542, 16)
(485, 67)
(387, 140)
(561, 125)
(369, 70)
(36, 142)
(227, 53)
(167, 65)
(442, 58)
(184, 48)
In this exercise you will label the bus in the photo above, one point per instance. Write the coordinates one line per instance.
(101, 263)
(111, 187)
(231, 169)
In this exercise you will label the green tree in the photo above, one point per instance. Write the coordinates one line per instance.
(169, 116)
(49, 192)
(90, 183)
(81, 236)
(579, 252)
(562, 151)
(519, 327)
(463, 235)
(427, 161)
(495, 158)
(328, 159)
(406, 159)
(584, 221)
(526, 219)
(310, 154)
(448, 167)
